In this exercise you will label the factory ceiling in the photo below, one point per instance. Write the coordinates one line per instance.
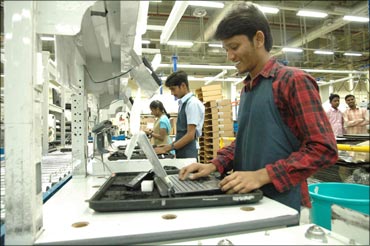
(197, 24)
(288, 29)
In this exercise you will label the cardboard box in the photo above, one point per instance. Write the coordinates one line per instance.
(211, 110)
(223, 121)
(211, 87)
(211, 98)
(208, 134)
(226, 108)
(211, 116)
(210, 104)
(226, 133)
(210, 124)
(211, 93)
(223, 114)
(223, 102)
(226, 127)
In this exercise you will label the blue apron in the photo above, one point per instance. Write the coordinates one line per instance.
(264, 138)
(190, 150)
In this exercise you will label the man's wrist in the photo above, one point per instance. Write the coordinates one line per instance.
(172, 146)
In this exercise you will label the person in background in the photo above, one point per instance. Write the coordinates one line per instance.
(162, 127)
(284, 135)
(356, 120)
(335, 116)
(190, 118)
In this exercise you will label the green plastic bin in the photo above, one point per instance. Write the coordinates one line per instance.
(324, 195)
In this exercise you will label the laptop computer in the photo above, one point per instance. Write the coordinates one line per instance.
(171, 185)
(114, 197)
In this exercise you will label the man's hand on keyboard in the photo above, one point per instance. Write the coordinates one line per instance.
(196, 170)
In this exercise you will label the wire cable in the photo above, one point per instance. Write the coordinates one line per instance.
(106, 80)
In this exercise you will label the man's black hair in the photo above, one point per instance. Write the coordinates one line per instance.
(245, 19)
(349, 95)
(177, 78)
(332, 96)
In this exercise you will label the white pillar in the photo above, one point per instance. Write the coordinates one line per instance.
(22, 116)
(79, 127)
(45, 106)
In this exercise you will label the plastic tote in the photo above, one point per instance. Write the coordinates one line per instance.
(324, 195)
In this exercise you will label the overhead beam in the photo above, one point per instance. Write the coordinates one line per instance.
(173, 19)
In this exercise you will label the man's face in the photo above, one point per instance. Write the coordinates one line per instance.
(178, 91)
(335, 102)
(351, 102)
(241, 52)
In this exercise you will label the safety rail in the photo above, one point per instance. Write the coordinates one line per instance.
(345, 147)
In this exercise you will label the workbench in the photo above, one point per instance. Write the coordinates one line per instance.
(69, 206)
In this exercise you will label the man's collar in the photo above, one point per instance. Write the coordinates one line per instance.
(186, 97)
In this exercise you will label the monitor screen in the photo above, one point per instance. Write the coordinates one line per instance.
(154, 75)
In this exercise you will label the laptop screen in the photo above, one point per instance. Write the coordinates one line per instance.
(153, 158)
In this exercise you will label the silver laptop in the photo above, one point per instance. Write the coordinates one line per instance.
(171, 185)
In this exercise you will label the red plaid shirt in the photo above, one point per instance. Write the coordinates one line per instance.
(297, 98)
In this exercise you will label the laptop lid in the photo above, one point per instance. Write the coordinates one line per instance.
(153, 159)
(163, 181)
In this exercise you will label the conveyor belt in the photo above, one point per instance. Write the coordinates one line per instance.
(56, 166)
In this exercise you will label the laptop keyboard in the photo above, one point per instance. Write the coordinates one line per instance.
(191, 185)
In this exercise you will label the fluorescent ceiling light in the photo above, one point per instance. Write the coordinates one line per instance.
(215, 45)
(206, 4)
(156, 61)
(296, 50)
(269, 10)
(154, 27)
(145, 41)
(312, 14)
(180, 43)
(47, 38)
(150, 51)
(352, 54)
(323, 52)
(355, 18)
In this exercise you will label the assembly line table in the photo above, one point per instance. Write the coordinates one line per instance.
(69, 206)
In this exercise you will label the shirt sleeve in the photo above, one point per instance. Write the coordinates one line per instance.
(365, 117)
(351, 123)
(225, 158)
(299, 103)
(195, 115)
(163, 123)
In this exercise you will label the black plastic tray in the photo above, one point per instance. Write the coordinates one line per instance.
(114, 196)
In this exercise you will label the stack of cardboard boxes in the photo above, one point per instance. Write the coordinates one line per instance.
(217, 121)
(209, 93)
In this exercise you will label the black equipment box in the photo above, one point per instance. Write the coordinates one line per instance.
(116, 195)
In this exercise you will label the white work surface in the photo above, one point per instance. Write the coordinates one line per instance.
(294, 235)
(96, 167)
(69, 205)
